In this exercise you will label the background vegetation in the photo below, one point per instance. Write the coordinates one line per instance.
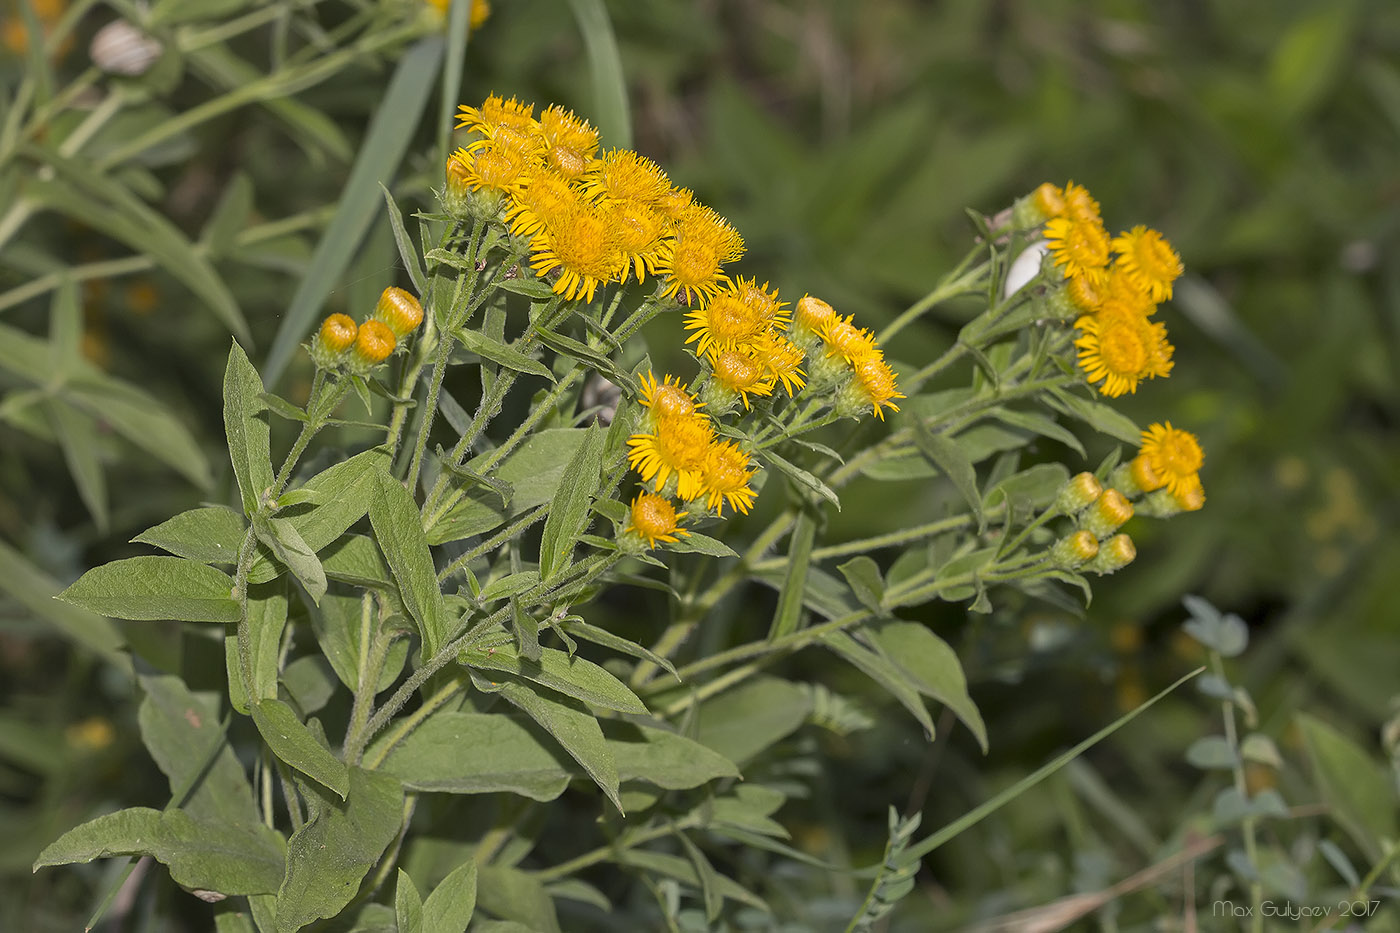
(844, 140)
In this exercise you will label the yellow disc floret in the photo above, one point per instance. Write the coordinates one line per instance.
(583, 246)
(570, 142)
(678, 445)
(692, 261)
(741, 373)
(876, 382)
(497, 113)
(666, 399)
(725, 323)
(1148, 260)
(373, 344)
(652, 519)
(724, 477)
(1120, 352)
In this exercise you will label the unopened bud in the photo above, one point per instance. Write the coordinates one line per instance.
(336, 336)
(1072, 551)
(1136, 477)
(1189, 496)
(1114, 554)
(399, 310)
(1107, 514)
(373, 345)
(1079, 492)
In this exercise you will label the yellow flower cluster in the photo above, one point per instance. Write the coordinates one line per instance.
(341, 342)
(869, 381)
(1115, 284)
(590, 219)
(1169, 459)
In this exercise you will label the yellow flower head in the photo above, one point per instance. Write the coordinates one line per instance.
(678, 446)
(876, 382)
(813, 314)
(1149, 261)
(674, 202)
(653, 518)
(842, 338)
(781, 360)
(544, 200)
(1080, 205)
(641, 229)
(692, 260)
(1190, 495)
(725, 476)
(492, 166)
(761, 300)
(399, 310)
(1174, 455)
(583, 244)
(480, 12)
(1144, 475)
(1081, 246)
(666, 399)
(374, 341)
(338, 333)
(724, 323)
(741, 373)
(570, 142)
(1119, 351)
(625, 175)
(1049, 200)
(1087, 292)
(497, 112)
(1118, 285)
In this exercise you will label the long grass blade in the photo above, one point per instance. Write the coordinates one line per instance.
(614, 118)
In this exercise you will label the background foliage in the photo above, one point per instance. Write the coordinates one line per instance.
(844, 140)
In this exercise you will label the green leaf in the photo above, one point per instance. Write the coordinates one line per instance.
(209, 535)
(574, 728)
(933, 668)
(248, 443)
(1312, 57)
(497, 352)
(527, 632)
(697, 543)
(444, 754)
(981, 812)
(293, 551)
(568, 516)
(408, 905)
(787, 617)
(185, 738)
(407, 251)
(291, 741)
(267, 619)
(611, 113)
(516, 895)
(201, 855)
(673, 866)
(742, 722)
(1030, 489)
(149, 588)
(533, 471)
(449, 908)
(77, 437)
(142, 420)
(948, 455)
(1102, 418)
(1040, 424)
(230, 215)
(1212, 752)
(34, 589)
(328, 858)
(885, 672)
(394, 515)
(355, 559)
(707, 876)
(802, 478)
(378, 158)
(646, 753)
(1358, 791)
(583, 680)
(343, 494)
(601, 636)
(863, 576)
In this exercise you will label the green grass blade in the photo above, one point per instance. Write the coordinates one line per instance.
(613, 116)
(383, 148)
(458, 34)
(975, 816)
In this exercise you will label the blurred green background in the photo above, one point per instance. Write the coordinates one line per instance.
(845, 141)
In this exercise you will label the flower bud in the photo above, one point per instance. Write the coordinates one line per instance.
(337, 335)
(1136, 477)
(399, 310)
(808, 319)
(1071, 551)
(373, 344)
(1080, 491)
(1164, 503)
(457, 196)
(1114, 554)
(1037, 207)
(1107, 514)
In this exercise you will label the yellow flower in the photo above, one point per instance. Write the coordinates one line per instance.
(678, 446)
(1080, 205)
(876, 382)
(1122, 351)
(764, 303)
(675, 201)
(725, 476)
(1174, 455)
(1049, 200)
(570, 142)
(1190, 495)
(1087, 292)
(625, 175)
(399, 310)
(374, 341)
(583, 244)
(741, 373)
(547, 197)
(691, 261)
(493, 166)
(666, 399)
(653, 519)
(641, 229)
(337, 334)
(1118, 285)
(1081, 246)
(1149, 261)
(781, 360)
(811, 316)
(481, 10)
(724, 323)
(843, 338)
(496, 113)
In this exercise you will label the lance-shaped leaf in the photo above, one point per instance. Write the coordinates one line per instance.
(248, 442)
(946, 454)
(449, 908)
(645, 753)
(742, 722)
(291, 741)
(445, 754)
(147, 588)
(328, 858)
(933, 668)
(583, 680)
(210, 535)
(293, 551)
(394, 516)
(502, 353)
(568, 516)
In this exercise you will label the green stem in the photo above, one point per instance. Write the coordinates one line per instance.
(625, 841)
(955, 283)
(414, 720)
(488, 546)
(1247, 825)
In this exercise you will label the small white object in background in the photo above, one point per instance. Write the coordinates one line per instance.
(1025, 268)
(601, 393)
(120, 48)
